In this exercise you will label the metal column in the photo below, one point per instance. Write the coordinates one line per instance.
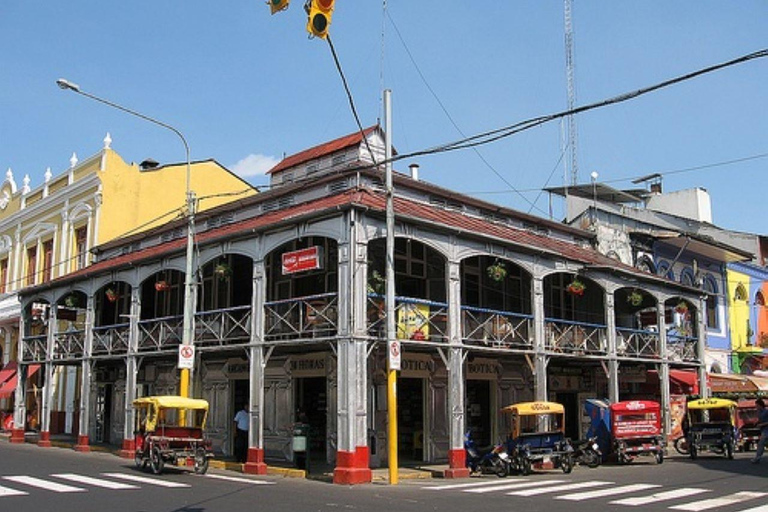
(539, 342)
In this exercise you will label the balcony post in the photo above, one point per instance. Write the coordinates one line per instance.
(613, 362)
(701, 346)
(85, 381)
(254, 463)
(663, 367)
(45, 415)
(456, 384)
(539, 341)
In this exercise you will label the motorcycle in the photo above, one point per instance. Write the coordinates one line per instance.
(491, 461)
(587, 452)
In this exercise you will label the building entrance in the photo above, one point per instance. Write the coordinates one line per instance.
(478, 413)
(571, 403)
(410, 419)
(311, 401)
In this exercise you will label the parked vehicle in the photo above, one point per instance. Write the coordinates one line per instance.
(636, 430)
(681, 445)
(537, 435)
(587, 452)
(746, 425)
(492, 460)
(712, 426)
(169, 430)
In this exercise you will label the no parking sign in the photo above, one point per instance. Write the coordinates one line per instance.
(186, 357)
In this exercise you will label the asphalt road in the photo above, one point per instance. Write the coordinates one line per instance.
(53, 479)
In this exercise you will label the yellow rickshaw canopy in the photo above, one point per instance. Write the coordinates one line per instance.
(172, 402)
(531, 408)
(711, 403)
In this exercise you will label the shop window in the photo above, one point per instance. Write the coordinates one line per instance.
(31, 265)
(711, 288)
(81, 247)
(47, 260)
(3, 275)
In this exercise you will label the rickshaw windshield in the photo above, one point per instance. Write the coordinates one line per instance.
(535, 423)
(636, 417)
(710, 416)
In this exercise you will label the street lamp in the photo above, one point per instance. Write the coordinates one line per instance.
(186, 337)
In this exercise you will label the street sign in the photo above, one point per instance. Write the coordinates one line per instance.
(186, 357)
(394, 354)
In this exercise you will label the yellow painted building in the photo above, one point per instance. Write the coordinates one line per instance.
(48, 232)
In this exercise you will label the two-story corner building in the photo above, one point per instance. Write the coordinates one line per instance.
(48, 232)
(492, 307)
(671, 235)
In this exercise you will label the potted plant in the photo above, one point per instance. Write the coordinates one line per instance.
(222, 270)
(71, 301)
(497, 271)
(377, 283)
(576, 287)
(162, 285)
(682, 307)
(635, 298)
(111, 294)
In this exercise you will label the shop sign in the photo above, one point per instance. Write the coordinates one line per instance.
(303, 260)
(308, 365)
(483, 369)
(417, 366)
(413, 322)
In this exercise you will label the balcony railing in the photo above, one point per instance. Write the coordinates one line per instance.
(226, 326)
(416, 319)
(637, 343)
(69, 344)
(499, 329)
(682, 348)
(35, 348)
(160, 333)
(111, 339)
(579, 338)
(313, 316)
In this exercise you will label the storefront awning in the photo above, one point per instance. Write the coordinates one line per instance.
(731, 383)
(683, 382)
(8, 387)
(7, 372)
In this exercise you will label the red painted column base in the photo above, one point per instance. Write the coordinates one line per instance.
(82, 444)
(255, 465)
(128, 450)
(17, 435)
(352, 467)
(45, 440)
(457, 464)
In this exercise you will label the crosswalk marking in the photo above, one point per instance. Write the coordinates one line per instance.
(759, 508)
(7, 491)
(660, 496)
(463, 486)
(145, 480)
(515, 485)
(731, 499)
(241, 480)
(579, 496)
(43, 484)
(558, 488)
(97, 482)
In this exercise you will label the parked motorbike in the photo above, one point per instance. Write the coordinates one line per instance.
(587, 452)
(492, 460)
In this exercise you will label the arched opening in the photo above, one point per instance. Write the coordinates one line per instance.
(112, 308)
(162, 295)
(69, 334)
(637, 330)
(224, 301)
(574, 311)
(682, 329)
(711, 316)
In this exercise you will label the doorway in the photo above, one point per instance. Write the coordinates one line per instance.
(478, 413)
(312, 407)
(103, 411)
(570, 402)
(241, 394)
(410, 419)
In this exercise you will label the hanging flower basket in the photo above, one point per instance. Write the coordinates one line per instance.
(71, 301)
(162, 286)
(223, 271)
(576, 287)
(681, 307)
(497, 271)
(635, 298)
(377, 283)
(111, 294)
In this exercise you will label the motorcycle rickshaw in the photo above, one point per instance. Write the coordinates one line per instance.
(169, 430)
(711, 426)
(537, 435)
(746, 425)
(636, 430)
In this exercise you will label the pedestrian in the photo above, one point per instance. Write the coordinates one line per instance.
(241, 433)
(762, 424)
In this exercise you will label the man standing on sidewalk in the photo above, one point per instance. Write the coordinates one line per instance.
(241, 433)
(762, 422)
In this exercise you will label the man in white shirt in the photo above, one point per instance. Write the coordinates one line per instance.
(241, 433)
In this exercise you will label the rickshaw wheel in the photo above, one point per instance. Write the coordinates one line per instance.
(156, 460)
(138, 458)
(681, 445)
(659, 457)
(201, 461)
(566, 463)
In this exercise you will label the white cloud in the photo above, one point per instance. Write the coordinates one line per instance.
(254, 165)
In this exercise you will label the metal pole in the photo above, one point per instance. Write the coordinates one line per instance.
(390, 299)
(187, 330)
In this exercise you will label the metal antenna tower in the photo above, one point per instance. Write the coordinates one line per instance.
(569, 65)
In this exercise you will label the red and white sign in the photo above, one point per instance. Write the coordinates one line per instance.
(394, 355)
(302, 260)
(186, 357)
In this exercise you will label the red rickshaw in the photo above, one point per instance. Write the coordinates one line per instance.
(746, 425)
(636, 430)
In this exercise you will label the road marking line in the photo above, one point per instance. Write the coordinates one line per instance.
(97, 482)
(145, 480)
(579, 496)
(7, 491)
(661, 496)
(737, 497)
(556, 488)
(760, 508)
(43, 484)
(516, 485)
(241, 480)
(462, 486)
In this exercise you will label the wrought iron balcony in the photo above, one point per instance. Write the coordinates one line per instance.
(34, 348)
(682, 348)
(111, 340)
(160, 334)
(416, 319)
(637, 343)
(313, 316)
(69, 344)
(227, 326)
(500, 329)
(579, 338)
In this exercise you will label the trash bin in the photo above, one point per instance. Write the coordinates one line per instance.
(300, 445)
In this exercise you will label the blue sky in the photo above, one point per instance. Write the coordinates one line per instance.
(245, 88)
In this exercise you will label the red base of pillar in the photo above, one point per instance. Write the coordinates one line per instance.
(128, 451)
(352, 467)
(82, 444)
(45, 440)
(457, 464)
(17, 435)
(255, 464)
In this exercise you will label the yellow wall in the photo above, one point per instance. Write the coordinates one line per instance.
(133, 198)
(738, 310)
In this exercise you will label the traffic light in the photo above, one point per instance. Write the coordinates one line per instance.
(278, 5)
(320, 17)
